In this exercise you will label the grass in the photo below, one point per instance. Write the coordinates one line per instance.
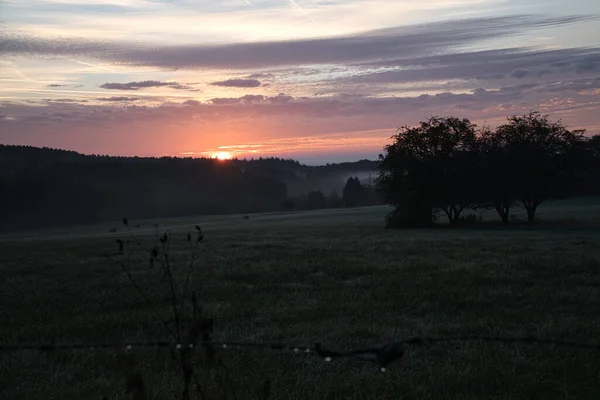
(331, 276)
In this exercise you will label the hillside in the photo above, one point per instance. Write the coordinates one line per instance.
(45, 187)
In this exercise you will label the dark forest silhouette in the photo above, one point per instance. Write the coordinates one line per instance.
(44, 187)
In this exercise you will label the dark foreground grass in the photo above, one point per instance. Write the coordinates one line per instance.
(338, 278)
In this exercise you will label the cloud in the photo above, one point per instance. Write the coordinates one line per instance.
(520, 73)
(117, 98)
(488, 65)
(225, 100)
(519, 88)
(251, 98)
(240, 83)
(65, 100)
(259, 75)
(372, 47)
(488, 77)
(281, 98)
(574, 85)
(263, 119)
(369, 47)
(372, 80)
(56, 85)
(144, 84)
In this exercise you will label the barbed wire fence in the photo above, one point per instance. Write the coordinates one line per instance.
(383, 355)
(192, 335)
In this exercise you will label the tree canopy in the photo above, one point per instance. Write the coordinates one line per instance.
(426, 168)
(354, 193)
(449, 164)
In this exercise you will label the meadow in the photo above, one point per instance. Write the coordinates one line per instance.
(334, 276)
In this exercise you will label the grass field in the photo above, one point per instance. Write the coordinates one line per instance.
(336, 277)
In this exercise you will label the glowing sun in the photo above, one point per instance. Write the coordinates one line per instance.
(222, 155)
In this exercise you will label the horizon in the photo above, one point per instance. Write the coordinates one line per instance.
(314, 81)
(315, 163)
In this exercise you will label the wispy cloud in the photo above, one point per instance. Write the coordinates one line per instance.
(370, 47)
(65, 100)
(240, 83)
(117, 98)
(144, 84)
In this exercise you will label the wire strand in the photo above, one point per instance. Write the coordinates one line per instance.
(383, 354)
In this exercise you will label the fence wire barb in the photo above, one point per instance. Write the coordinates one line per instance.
(382, 355)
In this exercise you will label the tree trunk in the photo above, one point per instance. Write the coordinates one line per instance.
(449, 214)
(503, 211)
(531, 212)
(531, 207)
(453, 213)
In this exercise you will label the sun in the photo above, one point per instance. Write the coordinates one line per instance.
(222, 155)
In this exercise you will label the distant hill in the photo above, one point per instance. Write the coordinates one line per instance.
(45, 187)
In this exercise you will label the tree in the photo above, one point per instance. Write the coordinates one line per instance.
(593, 145)
(354, 194)
(334, 200)
(495, 178)
(288, 205)
(373, 197)
(544, 159)
(591, 186)
(316, 200)
(427, 168)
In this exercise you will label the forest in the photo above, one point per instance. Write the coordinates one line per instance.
(43, 187)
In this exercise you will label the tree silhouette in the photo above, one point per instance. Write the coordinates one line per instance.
(334, 200)
(427, 168)
(446, 164)
(594, 150)
(495, 179)
(316, 200)
(354, 194)
(288, 205)
(543, 159)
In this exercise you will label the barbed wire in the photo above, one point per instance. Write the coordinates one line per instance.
(382, 355)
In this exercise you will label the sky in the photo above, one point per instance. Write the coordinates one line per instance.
(314, 80)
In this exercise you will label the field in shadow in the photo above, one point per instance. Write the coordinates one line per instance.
(335, 277)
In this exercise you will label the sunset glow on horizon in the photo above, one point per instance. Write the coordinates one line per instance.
(311, 80)
(222, 155)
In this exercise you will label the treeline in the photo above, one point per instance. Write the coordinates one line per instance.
(448, 165)
(356, 193)
(41, 187)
